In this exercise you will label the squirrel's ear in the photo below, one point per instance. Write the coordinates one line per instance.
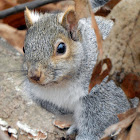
(31, 17)
(69, 22)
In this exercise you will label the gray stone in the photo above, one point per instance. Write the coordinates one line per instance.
(15, 108)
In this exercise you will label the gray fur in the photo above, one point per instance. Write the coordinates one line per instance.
(98, 3)
(92, 112)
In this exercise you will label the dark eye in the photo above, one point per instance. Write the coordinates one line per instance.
(23, 50)
(61, 49)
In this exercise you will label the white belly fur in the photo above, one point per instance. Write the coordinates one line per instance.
(65, 95)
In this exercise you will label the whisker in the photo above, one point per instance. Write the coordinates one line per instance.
(22, 81)
(19, 76)
(13, 71)
(60, 69)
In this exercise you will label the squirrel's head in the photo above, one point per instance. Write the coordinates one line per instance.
(52, 46)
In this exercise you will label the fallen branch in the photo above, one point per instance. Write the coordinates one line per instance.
(21, 7)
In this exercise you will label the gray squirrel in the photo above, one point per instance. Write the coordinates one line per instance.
(60, 56)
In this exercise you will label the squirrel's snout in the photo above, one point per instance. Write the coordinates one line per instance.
(35, 75)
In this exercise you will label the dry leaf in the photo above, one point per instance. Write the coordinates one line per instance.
(119, 127)
(98, 35)
(59, 6)
(61, 124)
(124, 115)
(133, 133)
(135, 129)
(16, 20)
(13, 36)
(131, 85)
(98, 75)
(23, 1)
(123, 43)
(123, 136)
(106, 9)
(122, 46)
(130, 119)
(82, 9)
(4, 4)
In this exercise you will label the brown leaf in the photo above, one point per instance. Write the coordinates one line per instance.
(23, 1)
(135, 129)
(106, 9)
(61, 124)
(58, 6)
(123, 135)
(119, 127)
(13, 36)
(127, 127)
(16, 20)
(4, 4)
(122, 46)
(98, 35)
(124, 115)
(131, 85)
(98, 75)
(82, 9)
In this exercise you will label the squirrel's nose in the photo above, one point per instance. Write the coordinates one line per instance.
(35, 78)
(34, 74)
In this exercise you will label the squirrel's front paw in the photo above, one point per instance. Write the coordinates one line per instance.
(72, 130)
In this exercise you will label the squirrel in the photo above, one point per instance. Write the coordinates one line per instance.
(60, 56)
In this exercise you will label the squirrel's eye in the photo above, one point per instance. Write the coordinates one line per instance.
(61, 49)
(23, 50)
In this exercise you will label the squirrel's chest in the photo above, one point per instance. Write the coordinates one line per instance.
(65, 96)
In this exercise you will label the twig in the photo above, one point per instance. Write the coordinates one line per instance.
(21, 7)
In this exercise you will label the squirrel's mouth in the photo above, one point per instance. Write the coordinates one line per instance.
(49, 84)
(42, 80)
(41, 83)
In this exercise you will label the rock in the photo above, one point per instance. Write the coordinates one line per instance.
(17, 111)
